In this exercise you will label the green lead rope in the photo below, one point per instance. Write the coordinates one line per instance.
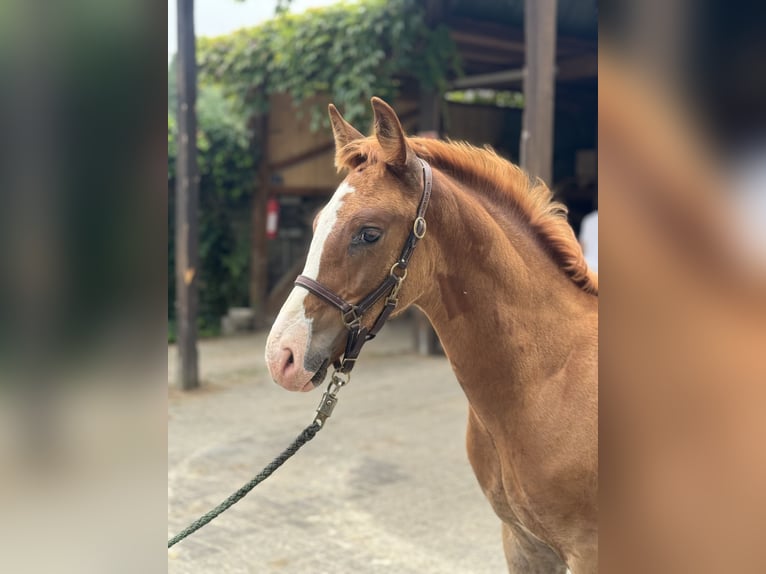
(308, 433)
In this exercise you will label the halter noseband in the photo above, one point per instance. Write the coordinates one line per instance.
(352, 314)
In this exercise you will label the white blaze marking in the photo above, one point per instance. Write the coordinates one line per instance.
(292, 314)
(325, 225)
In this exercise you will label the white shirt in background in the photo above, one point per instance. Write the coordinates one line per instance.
(589, 239)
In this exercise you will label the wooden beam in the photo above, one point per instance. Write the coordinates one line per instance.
(539, 86)
(584, 66)
(259, 256)
(312, 153)
(484, 41)
(489, 80)
(303, 156)
(303, 190)
(578, 67)
(482, 56)
(512, 36)
(187, 202)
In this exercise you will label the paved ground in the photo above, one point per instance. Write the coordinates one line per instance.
(385, 488)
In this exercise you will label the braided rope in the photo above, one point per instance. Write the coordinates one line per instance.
(308, 433)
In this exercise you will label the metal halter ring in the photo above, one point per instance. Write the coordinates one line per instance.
(339, 379)
(400, 265)
(419, 228)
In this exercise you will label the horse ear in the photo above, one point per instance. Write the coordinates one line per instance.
(342, 131)
(390, 134)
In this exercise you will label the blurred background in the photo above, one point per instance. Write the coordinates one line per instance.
(682, 127)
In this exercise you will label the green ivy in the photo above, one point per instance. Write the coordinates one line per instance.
(498, 98)
(227, 176)
(348, 52)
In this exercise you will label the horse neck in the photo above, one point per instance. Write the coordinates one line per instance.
(506, 315)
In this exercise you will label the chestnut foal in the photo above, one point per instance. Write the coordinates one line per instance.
(503, 280)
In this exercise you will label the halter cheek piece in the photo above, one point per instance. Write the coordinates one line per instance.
(352, 314)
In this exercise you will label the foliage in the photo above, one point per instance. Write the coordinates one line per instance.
(282, 6)
(226, 181)
(499, 98)
(172, 83)
(347, 51)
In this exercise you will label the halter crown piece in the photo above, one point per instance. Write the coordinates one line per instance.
(352, 314)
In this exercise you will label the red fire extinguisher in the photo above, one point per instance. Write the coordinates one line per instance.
(272, 218)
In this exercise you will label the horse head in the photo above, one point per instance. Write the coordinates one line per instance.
(358, 238)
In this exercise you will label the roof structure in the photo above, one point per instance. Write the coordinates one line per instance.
(490, 38)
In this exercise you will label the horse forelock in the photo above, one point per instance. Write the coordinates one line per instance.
(501, 181)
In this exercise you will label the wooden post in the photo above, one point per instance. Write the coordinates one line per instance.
(425, 338)
(429, 125)
(430, 102)
(429, 113)
(187, 201)
(259, 257)
(539, 87)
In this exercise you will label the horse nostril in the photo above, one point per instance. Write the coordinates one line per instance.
(287, 363)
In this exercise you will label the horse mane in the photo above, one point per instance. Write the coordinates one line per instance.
(502, 181)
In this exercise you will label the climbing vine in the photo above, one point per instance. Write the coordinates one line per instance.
(349, 52)
(227, 172)
(346, 53)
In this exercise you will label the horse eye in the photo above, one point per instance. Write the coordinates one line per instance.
(369, 235)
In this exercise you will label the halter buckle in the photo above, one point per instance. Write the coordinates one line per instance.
(351, 319)
(345, 362)
(419, 227)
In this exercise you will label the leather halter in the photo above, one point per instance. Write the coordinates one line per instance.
(352, 314)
